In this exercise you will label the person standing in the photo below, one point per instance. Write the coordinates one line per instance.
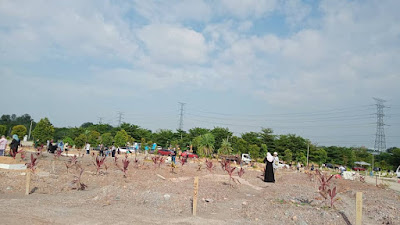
(61, 146)
(87, 147)
(173, 156)
(3, 145)
(276, 161)
(101, 150)
(14, 144)
(269, 170)
(153, 148)
(113, 150)
(66, 148)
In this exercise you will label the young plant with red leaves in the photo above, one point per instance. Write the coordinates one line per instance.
(72, 161)
(22, 152)
(332, 194)
(32, 164)
(241, 172)
(125, 164)
(324, 180)
(209, 165)
(99, 163)
(13, 153)
(77, 181)
(137, 163)
(230, 170)
(57, 154)
(183, 161)
(155, 160)
(223, 163)
(161, 161)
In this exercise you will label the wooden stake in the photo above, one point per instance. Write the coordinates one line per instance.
(359, 208)
(28, 182)
(196, 188)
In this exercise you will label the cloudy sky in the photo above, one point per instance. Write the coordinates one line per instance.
(305, 67)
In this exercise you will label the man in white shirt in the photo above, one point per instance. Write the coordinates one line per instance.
(3, 145)
(87, 147)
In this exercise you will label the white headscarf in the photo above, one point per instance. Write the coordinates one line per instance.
(270, 158)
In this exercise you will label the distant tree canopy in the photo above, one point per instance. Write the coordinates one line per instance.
(43, 131)
(19, 130)
(9, 121)
(205, 142)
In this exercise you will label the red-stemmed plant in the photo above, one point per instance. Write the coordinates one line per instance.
(209, 165)
(99, 163)
(241, 172)
(77, 181)
(332, 194)
(32, 164)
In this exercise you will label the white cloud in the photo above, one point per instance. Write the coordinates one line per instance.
(174, 44)
(173, 11)
(33, 30)
(248, 8)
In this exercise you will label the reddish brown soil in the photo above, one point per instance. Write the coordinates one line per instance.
(145, 198)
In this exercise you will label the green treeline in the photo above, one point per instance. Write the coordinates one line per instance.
(205, 142)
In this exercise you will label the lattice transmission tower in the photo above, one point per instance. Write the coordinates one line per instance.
(380, 141)
(181, 116)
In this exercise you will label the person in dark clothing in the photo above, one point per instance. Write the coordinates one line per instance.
(269, 169)
(312, 167)
(14, 145)
(101, 150)
(173, 156)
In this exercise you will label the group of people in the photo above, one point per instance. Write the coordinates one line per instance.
(15, 143)
(271, 165)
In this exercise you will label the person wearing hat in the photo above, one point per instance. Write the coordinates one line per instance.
(276, 161)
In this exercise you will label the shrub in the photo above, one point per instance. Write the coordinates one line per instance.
(19, 130)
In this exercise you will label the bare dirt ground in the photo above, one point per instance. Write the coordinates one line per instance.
(143, 197)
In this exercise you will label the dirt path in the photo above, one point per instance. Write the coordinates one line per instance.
(146, 198)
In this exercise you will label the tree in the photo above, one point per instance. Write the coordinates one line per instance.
(163, 137)
(94, 138)
(226, 148)
(287, 156)
(3, 129)
(87, 124)
(80, 141)
(43, 131)
(254, 151)
(19, 130)
(239, 145)
(121, 138)
(197, 131)
(395, 158)
(69, 141)
(263, 150)
(107, 139)
(220, 134)
(268, 138)
(205, 144)
(253, 138)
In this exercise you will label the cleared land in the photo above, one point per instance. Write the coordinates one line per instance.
(143, 197)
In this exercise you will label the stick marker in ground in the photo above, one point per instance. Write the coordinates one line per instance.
(28, 182)
(196, 188)
(359, 208)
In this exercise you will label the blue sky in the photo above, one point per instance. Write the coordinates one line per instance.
(304, 67)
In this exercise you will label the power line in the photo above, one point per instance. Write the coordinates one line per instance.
(380, 142)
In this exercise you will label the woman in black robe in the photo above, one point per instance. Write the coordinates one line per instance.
(269, 170)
